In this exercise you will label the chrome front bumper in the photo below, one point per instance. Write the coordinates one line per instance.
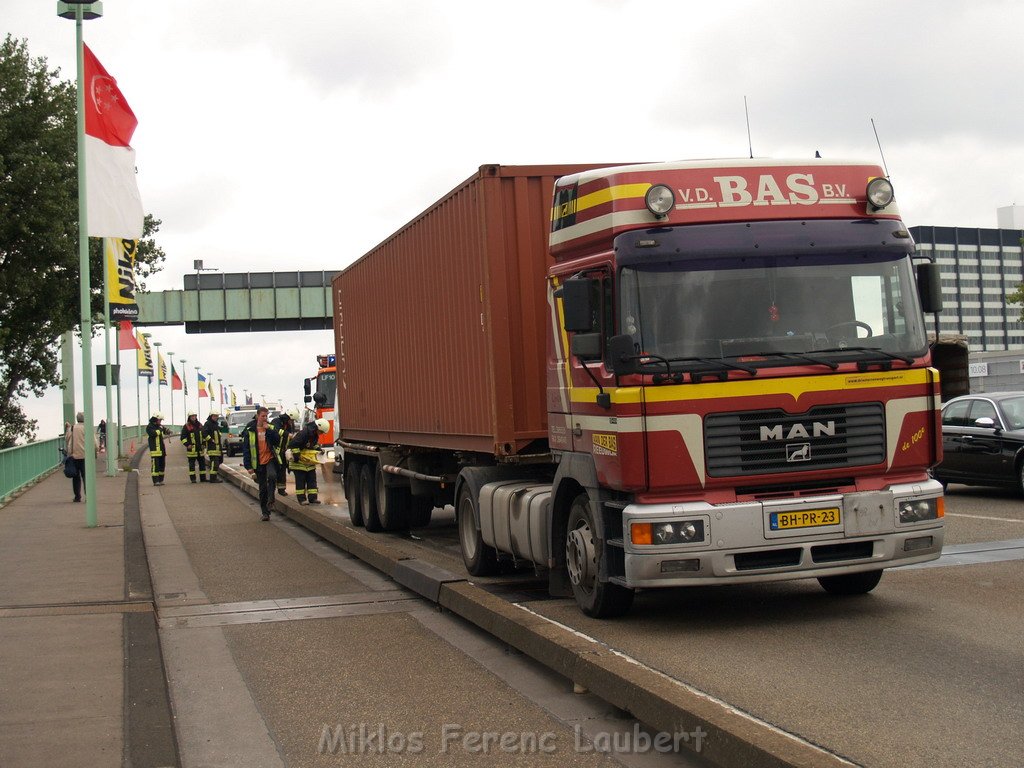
(741, 546)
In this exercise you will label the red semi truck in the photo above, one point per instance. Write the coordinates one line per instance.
(649, 375)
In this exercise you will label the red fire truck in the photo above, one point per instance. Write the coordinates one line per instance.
(669, 374)
(320, 391)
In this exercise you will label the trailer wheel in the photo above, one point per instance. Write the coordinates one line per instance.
(352, 495)
(851, 583)
(368, 499)
(602, 600)
(480, 559)
(392, 502)
(420, 511)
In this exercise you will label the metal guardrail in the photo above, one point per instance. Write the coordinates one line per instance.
(24, 464)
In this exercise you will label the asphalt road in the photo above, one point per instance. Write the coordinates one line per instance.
(927, 670)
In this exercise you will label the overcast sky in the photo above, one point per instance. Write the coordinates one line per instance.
(279, 136)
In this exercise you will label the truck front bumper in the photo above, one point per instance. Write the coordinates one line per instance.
(754, 542)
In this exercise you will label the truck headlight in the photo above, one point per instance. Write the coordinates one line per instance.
(685, 532)
(659, 200)
(880, 193)
(919, 510)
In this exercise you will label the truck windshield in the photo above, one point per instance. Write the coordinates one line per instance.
(827, 306)
(327, 385)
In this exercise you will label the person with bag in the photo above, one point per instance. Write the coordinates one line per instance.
(156, 432)
(286, 427)
(74, 446)
(303, 456)
(260, 443)
(191, 438)
(212, 443)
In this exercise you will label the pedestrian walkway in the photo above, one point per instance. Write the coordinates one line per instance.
(254, 644)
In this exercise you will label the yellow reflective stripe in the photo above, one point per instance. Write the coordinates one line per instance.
(797, 386)
(608, 194)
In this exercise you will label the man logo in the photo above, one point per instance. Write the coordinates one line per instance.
(798, 431)
(798, 452)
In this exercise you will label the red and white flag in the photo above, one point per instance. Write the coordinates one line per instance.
(112, 193)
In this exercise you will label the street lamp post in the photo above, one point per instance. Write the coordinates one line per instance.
(80, 12)
(170, 384)
(149, 381)
(184, 386)
(158, 364)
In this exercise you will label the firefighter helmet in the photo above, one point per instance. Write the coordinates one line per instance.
(158, 416)
(293, 414)
(214, 414)
(322, 426)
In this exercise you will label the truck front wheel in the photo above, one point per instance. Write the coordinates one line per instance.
(602, 600)
(480, 559)
(352, 495)
(850, 583)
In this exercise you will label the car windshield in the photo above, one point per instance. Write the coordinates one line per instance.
(733, 307)
(241, 417)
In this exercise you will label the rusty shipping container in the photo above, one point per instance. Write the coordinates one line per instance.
(440, 331)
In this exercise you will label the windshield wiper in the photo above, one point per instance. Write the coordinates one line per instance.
(718, 368)
(796, 356)
(876, 350)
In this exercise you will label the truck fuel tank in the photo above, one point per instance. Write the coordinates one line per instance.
(514, 517)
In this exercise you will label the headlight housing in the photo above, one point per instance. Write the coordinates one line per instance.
(667, 532)
(880, 193)
(920, 510)
(659, 200)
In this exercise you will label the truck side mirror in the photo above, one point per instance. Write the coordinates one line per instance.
(577, 304)
(586, 346)
(622, 357)
(306, 388)
(929, 287)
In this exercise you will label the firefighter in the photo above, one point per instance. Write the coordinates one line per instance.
(286, 426)
(192, 439)
(157, 453)
(212, 443)
(303, 456)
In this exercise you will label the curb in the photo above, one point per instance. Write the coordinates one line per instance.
(730, 737)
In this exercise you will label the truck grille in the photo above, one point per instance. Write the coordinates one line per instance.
(765, 442)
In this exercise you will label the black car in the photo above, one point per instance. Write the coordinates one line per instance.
(983, 440)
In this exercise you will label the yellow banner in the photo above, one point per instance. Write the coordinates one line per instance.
(120, 260)
(161, 371)
(144, 357)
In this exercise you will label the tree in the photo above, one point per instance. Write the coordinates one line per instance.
(39, 270)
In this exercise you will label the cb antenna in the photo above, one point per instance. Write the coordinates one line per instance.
(750, 144)
(880, 152)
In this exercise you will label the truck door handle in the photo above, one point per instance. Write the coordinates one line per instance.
(577, 431)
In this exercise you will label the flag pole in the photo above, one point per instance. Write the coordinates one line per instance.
(111, 459)
(79, 12)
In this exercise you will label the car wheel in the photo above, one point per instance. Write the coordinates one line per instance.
(1020, 476)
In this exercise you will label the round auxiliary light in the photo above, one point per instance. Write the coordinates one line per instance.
(659, 200)
(879, 193)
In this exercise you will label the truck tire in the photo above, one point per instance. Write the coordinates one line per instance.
(480, 559)
(392, 503)
(368, 499)
(602, 600)
(851, 583)
(421, 509)
(353, 496)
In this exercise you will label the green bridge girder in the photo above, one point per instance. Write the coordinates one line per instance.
(241, 302)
